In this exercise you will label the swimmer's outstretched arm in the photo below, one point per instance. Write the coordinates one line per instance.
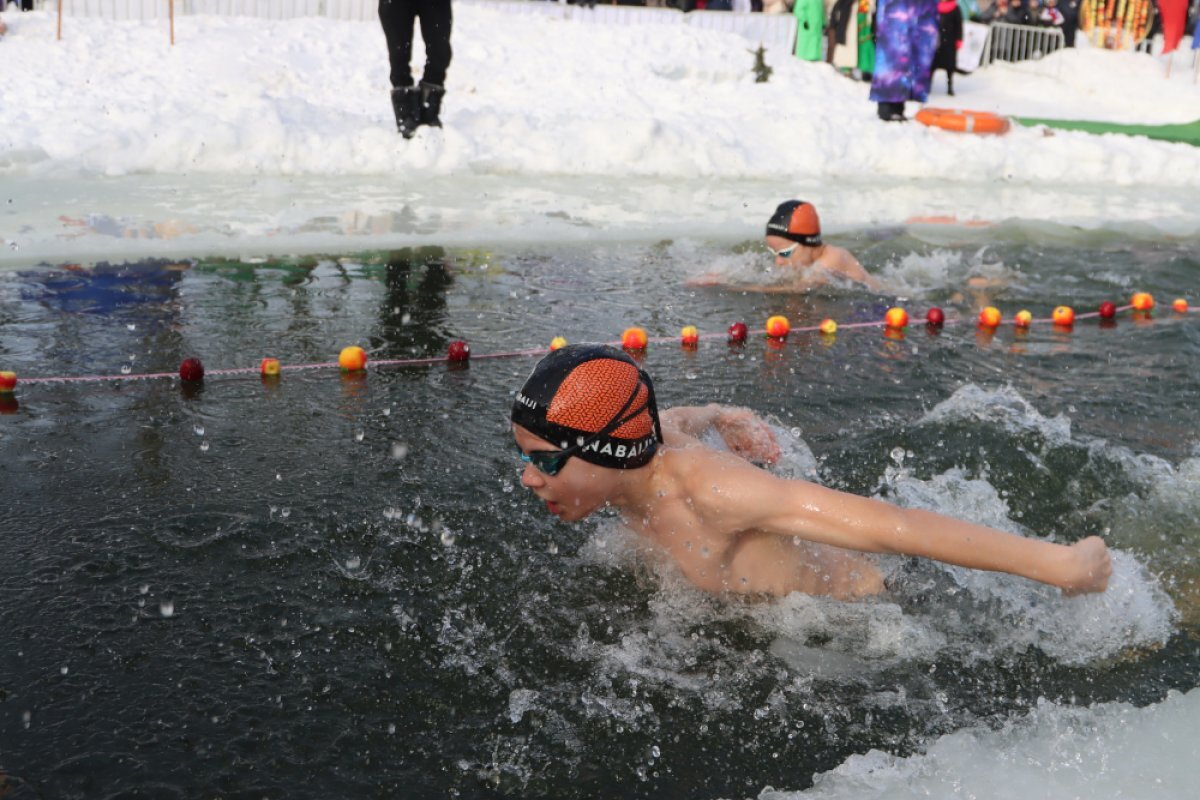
(744, 432)
(733, 496)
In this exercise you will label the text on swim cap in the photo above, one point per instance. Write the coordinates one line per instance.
(620, 450)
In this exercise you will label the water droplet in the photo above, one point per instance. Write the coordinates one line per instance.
(691, 376)
(898, 456)
(654, 751)
(552, 549)
(166, 608)
(387, 412)
(204, 447)
(448, 537)
(13, 246)
(285, 512)
(27, 716)
(406, 318)
(278, 477)
(391, 727)
(126, 369)
(144, 588)
(198, 430)
(130, 326)
(399, 450)
(64, 669)
(358, 435)
(353, 562)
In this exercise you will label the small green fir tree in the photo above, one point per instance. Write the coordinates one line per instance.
(762, 72)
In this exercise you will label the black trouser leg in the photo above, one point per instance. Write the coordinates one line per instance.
(436, 21)
(396, 17)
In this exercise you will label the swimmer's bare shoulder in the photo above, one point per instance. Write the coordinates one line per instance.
(842, 262)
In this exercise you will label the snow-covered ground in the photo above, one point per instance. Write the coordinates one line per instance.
(251, 134)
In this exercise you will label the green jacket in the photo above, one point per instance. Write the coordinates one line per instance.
(810, 20)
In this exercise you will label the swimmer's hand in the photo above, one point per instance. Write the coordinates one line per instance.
(1089, 567)
(747, 435)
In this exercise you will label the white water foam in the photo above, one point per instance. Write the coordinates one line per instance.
(1133, 612)
(1004, 407)
(1111, 750)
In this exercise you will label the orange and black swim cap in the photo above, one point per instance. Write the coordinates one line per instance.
(593, 399)
(798, 221)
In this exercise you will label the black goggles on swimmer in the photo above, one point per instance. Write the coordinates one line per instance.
(551, 462)
(547, 462)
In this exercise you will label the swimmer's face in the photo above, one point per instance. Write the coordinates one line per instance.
(790, 254)
(576, 491)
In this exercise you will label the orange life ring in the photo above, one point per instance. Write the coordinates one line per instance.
(954, 119)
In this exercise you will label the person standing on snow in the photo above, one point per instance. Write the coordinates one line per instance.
(906, 35)
(950, 40)
(810, 22)
(417, 105)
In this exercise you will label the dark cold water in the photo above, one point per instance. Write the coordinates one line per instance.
(336, 586)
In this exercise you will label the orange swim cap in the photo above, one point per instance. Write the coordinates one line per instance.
(798, 221)
(593, 399)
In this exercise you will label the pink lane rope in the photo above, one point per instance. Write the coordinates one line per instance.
(431, 360)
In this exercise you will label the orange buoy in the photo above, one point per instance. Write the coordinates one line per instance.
(963, 121)
(634, 339)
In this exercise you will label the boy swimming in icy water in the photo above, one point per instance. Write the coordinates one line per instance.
(588, 428)
(794, 238)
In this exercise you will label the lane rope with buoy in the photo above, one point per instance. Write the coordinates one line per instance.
(354, 359)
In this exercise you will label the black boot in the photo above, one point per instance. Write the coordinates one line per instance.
(431, 104)
(892, 112)
(950, 83)
(406, 103)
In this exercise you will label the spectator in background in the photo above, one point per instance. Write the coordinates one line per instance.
(417, 105)
(1050, 16)
(1070, 12)
(841, 49)
(810, 21)
(988, 12)
(906, 35)
(950, 40)
(1021, 12)
(866, 38)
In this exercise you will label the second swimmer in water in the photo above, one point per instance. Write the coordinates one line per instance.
(802, 257)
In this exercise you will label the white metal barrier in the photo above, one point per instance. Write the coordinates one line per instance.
(1008, 42)
(776, 32)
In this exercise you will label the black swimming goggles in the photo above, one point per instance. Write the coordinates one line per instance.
(551, 462)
